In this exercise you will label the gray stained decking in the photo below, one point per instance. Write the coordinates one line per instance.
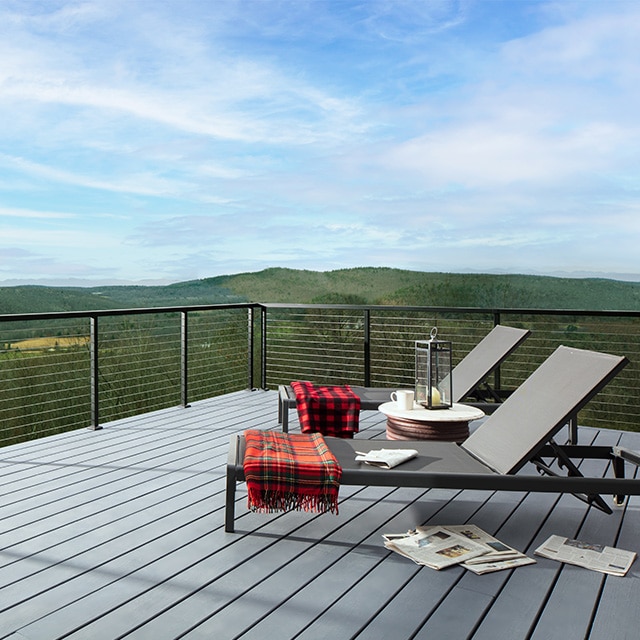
(118, 533)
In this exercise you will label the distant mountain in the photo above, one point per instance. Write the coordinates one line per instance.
(367, 285)
(372, 285)
(207, 291)
(40, 299)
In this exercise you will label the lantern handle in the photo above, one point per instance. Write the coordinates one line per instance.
(434, 333)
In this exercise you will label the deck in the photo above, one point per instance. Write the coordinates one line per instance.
(118, 533)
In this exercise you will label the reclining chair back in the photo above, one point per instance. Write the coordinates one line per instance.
(559, 388)
(495, 347)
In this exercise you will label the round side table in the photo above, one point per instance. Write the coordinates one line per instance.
(422, 424)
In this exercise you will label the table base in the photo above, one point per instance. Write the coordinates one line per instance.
(404, 429)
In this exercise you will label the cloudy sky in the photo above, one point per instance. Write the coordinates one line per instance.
(168, 140)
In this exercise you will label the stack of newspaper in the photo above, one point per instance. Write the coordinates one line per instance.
(584, 554)
(442, 546)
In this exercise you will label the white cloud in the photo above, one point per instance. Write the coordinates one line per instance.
(142, 184)
(603, 44)
(210, 93)
(405, 132)
(493, 154)
(34, 214)
(412, 20)
(552, 113)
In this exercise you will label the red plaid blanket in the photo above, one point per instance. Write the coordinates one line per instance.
(290, 471)
(330, 410)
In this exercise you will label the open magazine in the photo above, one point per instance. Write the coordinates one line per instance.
(442, 546)
(590, 556)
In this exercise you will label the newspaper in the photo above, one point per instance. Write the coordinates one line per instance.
(596, 557)
(499, 556)
(386, 458)
(442, 546)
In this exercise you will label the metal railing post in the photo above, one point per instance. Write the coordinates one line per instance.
(367, 347)
(184, 359)
(497, 380)
(250, 348)
(263, 348)
(95, 386)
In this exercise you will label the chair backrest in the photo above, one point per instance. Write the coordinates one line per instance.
(541, 406)
(484, 358)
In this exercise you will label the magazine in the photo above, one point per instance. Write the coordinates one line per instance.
(596, 557)
(442, 546)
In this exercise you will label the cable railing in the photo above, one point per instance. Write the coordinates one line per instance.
(375, 346)
(63, 371)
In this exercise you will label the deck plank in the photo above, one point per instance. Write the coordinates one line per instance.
(119, 533)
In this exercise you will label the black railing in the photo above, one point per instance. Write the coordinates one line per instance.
(374, 346)
(60, 371)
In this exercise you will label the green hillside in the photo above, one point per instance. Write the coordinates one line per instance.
(367, 285)
(400, 287)
(182, 293)
(38, 299)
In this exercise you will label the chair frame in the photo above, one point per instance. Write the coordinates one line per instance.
(495, 455)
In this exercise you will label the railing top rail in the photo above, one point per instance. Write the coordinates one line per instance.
(470, 310)
(57, 315)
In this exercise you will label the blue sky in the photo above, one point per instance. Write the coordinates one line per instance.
(169, 140)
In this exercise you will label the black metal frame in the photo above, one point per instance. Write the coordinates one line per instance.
(588, 489)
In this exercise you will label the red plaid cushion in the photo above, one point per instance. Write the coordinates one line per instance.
(330, 410)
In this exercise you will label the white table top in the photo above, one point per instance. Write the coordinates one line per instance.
(457, 413)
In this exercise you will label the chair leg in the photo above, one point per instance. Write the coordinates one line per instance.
(620, 454)
(230, 504)
(572, 427)
(283, 408)
(592, 499)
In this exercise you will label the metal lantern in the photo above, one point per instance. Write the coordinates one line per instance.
(434, 386)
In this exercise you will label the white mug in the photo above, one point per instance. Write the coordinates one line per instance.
(403, 398)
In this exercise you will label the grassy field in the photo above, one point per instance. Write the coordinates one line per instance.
(48, 344)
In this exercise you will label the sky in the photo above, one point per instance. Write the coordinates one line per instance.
(158, 141)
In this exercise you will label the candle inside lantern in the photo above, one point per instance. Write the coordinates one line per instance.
(435, 397)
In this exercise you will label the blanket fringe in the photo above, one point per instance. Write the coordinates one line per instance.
(273, 501)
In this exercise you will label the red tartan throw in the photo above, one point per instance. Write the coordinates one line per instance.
(330, 410)
(285, 472)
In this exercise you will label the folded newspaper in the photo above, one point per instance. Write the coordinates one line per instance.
(442, 546)
(596, 557)
(386, 458)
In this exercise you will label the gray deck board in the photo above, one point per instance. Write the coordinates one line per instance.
(118, 533)
(528, 592)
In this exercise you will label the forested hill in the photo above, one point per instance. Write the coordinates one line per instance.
(399, 287)
(351, 286)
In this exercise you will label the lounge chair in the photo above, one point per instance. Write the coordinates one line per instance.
(468, 375)
(518, 434)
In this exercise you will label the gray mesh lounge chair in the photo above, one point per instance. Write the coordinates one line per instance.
(519, 434)
(468, 374)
